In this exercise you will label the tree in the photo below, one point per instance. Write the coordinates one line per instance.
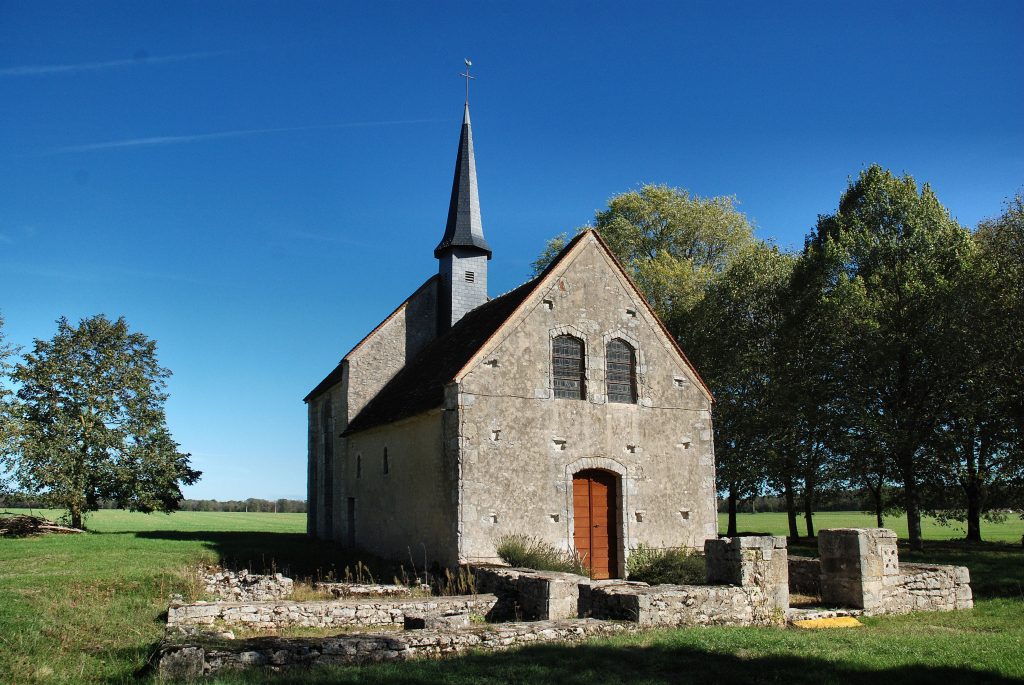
(736, 330)
(977, 441)
(892, 256)
(8, 413)
(92, 403)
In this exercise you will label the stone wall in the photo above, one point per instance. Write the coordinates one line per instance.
(684, 605)
(753, 561)
(929, 588)
(805, 575)
(860, 568)
(242, 586)
(343, 590)
(520, 446)
(525, 594)
(330, 614)
(407, 510)
(183, 661)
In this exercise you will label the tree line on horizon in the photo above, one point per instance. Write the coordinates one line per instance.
(885, 358)
(282, 505)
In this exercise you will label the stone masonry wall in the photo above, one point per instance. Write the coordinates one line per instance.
(684, 605)
(183, 661)
(530, 595)
(860, 568)
(804, 575)
(330, 614)
(750, 561)
(519, 446)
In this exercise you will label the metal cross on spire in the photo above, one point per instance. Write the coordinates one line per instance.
(467, 77)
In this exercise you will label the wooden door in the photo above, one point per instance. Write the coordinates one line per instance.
(595, 521)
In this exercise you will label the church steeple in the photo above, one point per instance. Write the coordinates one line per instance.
(463, 252)
(465, 227)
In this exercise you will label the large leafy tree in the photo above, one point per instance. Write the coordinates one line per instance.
(736, 333)
(893, 256)
(978, 440)
(94, 428)
(8, 416)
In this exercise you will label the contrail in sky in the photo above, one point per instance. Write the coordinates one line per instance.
(196, 137)
(44, 69)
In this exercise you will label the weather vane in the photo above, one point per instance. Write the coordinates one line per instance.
(467, 77)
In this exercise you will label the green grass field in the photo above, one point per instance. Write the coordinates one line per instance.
(90, 609)
(1009, 530)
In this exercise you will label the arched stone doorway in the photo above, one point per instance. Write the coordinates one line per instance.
(595, 503)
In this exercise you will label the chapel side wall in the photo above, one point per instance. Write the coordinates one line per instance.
(518, 479)
(385, 351)
(365, 371)
(325, 514)
(409, 510)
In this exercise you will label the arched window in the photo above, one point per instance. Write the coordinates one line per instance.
(621, 372)
(567, 361)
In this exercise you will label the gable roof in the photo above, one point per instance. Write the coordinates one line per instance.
(419, 386)
(335, 375)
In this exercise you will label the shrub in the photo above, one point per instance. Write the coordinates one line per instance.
(527, 551)
(674, 566)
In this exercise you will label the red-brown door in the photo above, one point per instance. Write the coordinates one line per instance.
(594, 498)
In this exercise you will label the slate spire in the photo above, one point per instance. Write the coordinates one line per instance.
(464, 228)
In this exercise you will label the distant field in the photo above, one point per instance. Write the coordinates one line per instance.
(118, 521)
(113, 521)
(1010, 530)
(91, 609)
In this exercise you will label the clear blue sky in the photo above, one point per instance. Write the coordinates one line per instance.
(256, 184)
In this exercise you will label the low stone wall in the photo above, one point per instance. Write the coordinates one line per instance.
(805, 575)
(685, 605)
(752, 561)
(525, 594)
(860, 568)
(182, 661)
(242, 586)
(343, 590)
(329, 614)
(927, 588)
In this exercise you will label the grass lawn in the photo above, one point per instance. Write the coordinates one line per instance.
(1010, 530)
(90, 609)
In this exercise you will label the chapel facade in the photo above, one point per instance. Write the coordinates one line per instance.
(562, 409)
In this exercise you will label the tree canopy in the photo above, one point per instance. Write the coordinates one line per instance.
(887, 357)
(91, 403)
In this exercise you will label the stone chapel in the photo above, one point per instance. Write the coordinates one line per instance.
(562, 409)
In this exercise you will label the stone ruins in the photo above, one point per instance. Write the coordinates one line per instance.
(749, 583)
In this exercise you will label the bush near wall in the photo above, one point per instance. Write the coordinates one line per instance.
(672, 566)
(527, 551)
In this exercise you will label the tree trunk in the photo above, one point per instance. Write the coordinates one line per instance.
(809, 511)
(913, 513)
(794, 533)
(731, 532)
(973, 517)
(76, 517)
(973, 491)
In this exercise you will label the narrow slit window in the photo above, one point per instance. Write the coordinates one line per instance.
(567, 362)
(387, 464)
(621, 372)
